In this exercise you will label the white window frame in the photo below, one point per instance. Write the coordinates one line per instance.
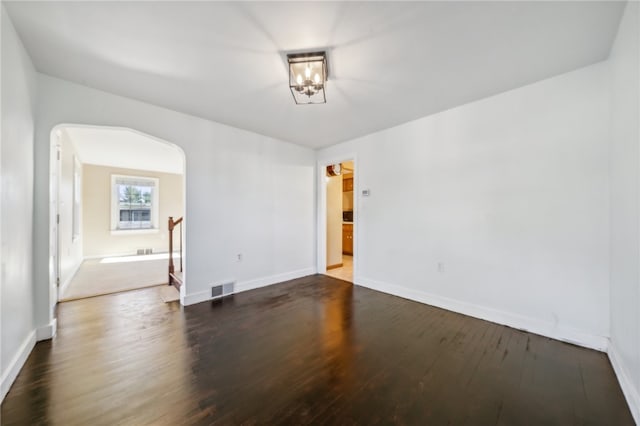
(115, 207)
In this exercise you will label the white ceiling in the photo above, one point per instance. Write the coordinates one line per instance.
(124, 148)
(389, 62)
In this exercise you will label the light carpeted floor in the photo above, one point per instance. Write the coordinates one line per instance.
(115, 274)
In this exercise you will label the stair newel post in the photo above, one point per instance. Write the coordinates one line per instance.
(171, 267)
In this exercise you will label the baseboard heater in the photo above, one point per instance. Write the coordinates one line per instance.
(222, 290)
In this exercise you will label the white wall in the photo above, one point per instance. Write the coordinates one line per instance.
(334, 220)
(70, 247)
(16, 205)
(625, 206)
(99, 241)
(245, 193)
(509, 193)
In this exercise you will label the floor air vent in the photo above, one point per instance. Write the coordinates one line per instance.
(222, 289)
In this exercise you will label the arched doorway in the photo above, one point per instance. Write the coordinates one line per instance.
(112, 191)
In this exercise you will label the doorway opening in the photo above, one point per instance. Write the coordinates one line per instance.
(113, 191)
(340, 219)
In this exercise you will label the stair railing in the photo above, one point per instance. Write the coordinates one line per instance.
(172, 224)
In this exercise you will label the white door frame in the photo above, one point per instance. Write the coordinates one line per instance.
(321, 235)
(54, 228)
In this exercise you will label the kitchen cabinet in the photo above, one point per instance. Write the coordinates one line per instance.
(347, 184)
(347, 239)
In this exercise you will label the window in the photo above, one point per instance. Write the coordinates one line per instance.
(134, 203)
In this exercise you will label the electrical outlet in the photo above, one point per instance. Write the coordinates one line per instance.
(440, 267)
(239, 257)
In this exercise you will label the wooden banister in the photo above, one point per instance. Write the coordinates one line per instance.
(175, 279)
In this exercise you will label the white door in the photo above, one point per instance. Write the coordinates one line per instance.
(54, 265)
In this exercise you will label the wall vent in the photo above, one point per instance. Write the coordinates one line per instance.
(144, 251)
(228, 288)
(216, 291)
(222, 289)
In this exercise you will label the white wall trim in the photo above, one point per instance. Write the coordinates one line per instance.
(520, 322)
(125, 232)
(66, 282)
(273, 279)
(128, 254)
(94, 257)
(626, 382)
(199, 297)
(203, 296)
(16, 364)
(48, 331)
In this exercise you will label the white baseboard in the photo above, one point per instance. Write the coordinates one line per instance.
(193, 298)
(128, 254)
(66, 282)
(520, 322)
(203, 296)
(97, 256)
(9, 376)
(273, 279)
(48, 331)
(626, 382)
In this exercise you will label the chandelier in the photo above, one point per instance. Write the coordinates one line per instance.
(307, 77)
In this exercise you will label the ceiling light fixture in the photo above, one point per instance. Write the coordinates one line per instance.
(308, 77)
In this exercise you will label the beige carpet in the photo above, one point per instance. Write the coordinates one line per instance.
(115, 274)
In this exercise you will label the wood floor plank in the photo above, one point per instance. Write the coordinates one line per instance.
(316, 350)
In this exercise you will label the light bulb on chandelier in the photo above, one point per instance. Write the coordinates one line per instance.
(307, 77)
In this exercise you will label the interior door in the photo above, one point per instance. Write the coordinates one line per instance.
(54, 265)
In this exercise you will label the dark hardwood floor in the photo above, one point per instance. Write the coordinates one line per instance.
(314, 350)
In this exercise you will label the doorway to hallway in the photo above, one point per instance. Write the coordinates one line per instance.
(340, 217)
